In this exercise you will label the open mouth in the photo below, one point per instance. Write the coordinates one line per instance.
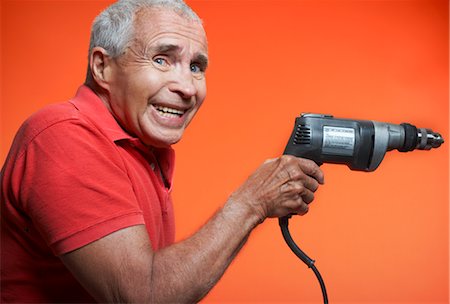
(169, 112)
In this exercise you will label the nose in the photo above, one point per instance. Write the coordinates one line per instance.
(184, 84)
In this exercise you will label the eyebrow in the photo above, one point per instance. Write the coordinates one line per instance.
(200, 58)
(166, 48)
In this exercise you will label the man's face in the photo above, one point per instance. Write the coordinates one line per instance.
(158, 84)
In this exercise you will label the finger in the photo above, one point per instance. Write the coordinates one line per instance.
(302, 209)
(310, 168)
(307, 196)
(295, 206)
(310, 183)
(295, 168)
(291, 189)
(296, 190)
(303, 204)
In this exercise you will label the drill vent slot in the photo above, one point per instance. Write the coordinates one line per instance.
(302, 135)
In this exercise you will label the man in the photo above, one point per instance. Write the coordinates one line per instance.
(86, 208)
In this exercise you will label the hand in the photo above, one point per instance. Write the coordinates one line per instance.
(280, 187)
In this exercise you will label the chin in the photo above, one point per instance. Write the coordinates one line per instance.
(162, 141)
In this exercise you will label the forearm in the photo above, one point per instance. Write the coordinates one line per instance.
(186, 271)
(122, 267)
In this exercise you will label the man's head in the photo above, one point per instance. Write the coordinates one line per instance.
(147, 62)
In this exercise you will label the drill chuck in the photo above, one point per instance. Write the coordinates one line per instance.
(421, 139)
(427, 139)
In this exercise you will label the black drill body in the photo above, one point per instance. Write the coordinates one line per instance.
(360, 144)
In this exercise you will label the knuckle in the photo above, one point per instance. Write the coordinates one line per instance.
(288, 159)
(307, 162)
(292, 188)
(296, 173)
(283, 160)
(299, 188)
(270, 160)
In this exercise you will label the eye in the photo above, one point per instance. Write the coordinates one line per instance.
(196, 68)
(160, 61)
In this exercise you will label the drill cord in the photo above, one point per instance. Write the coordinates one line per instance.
(284, 223)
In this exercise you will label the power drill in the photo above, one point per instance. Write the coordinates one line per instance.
(359, 144)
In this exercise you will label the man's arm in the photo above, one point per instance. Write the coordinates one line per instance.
(122, 267)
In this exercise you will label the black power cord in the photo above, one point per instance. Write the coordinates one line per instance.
(284, 223)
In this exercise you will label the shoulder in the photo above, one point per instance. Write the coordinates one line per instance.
(58, 127)
(47, 117)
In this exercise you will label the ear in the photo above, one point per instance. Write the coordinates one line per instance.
(100, 65)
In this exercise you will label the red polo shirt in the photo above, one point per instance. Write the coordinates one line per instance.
(73, 176)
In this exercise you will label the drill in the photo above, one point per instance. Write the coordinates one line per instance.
(359, 144)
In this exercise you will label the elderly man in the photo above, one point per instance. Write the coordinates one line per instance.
(86, 208)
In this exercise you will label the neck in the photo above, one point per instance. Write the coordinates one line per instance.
(99, 91)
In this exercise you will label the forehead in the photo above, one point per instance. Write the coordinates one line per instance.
(153, 25)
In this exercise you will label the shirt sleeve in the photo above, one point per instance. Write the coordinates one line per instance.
(75, 187)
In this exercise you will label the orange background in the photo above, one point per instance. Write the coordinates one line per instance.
(381, 237)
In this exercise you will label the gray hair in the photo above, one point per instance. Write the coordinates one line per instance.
(113, 28)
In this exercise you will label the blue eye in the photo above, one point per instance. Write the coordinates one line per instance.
(195, 68)
(160, 61)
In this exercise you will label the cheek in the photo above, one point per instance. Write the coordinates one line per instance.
(141, 89)
(201, 95)
(145, 80)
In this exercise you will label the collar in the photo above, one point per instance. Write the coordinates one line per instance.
(92, 107)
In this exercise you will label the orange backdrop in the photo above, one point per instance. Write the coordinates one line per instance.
(381, 237)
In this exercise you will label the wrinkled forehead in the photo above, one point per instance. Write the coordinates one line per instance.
(152, 24)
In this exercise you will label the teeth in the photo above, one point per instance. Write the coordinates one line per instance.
(169, 112)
